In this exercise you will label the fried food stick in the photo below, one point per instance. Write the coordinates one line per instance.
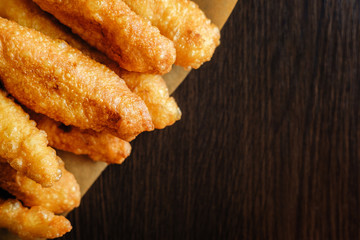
(150, 88)
(61, 197)
(28, 14)
(32, 223)
(114, 29)
(52, 78)
(183, 22)
(24, 146)
(100, 146)
(153, 90)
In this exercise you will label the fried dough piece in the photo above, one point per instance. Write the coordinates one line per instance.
(32, 223)
(52, 78)
(182, 21)
(28, 14)
(100, 146)
(114, 29)
(153, 90)
(150, 88)
(61, 197)
(24, 146)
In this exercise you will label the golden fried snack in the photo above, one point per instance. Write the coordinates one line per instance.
(61, 197)
(194, 36)
(114, 29)
(24, 146)
(32, 223)
(150, 88)
(28, 14)
(52, 78)
(153, 90)
(100, 146)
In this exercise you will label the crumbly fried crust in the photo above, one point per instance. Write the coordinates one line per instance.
(114, 29)
(150, 88)
(28, 14)
(32, 223)
(194, 36)
(52, 78)
(24, 146)
(100, 146)
(153, 91)
(61, 197)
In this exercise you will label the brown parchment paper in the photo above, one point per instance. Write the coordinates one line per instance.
(86, 171)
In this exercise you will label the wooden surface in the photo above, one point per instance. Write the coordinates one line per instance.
(268, 146)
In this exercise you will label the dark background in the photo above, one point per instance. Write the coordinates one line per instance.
(268, 145)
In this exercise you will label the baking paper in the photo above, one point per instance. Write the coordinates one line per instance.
(85, 170)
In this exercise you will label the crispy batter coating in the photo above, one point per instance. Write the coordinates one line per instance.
(28, 14)
(61, 197)
(153, 90)
(24, 146)
(32, 223)
(114, 29)
(52, 78)
(100, 146)
(182, 21)
(150, 88)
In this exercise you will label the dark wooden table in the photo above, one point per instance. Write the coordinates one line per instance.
(268, 146)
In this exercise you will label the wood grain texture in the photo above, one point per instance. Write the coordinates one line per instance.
(268, 146)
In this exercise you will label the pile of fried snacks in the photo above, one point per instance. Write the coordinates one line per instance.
(84, 77)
